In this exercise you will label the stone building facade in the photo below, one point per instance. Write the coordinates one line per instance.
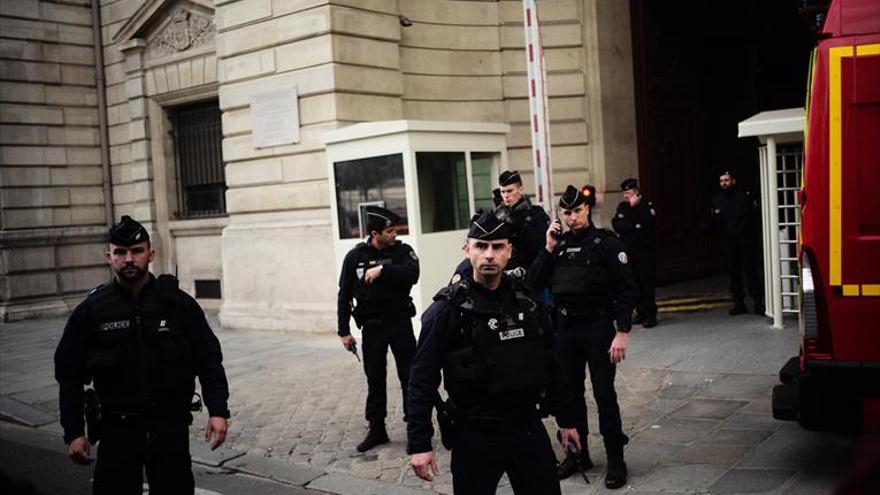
(350, 60)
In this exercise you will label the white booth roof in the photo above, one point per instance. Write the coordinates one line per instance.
(385, 127)
(788, 123)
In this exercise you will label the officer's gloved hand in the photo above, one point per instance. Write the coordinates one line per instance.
(518, 272)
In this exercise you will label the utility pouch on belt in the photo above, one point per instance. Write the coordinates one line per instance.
(93, 416)
(446, 421)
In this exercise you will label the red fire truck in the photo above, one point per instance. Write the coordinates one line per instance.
(834, 384)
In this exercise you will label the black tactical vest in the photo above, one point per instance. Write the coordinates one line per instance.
(580, 274)
(380, 294)
(139, 355)
(503, 352)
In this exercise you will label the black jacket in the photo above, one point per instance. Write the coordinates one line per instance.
(734, 214)
(635, 225)
(390, 292)
(529, 223)
(622, 290)
(442, 333)
(143, 354)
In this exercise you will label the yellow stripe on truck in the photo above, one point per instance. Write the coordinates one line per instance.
(835, 128)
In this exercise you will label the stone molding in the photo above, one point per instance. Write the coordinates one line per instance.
(198, 227)
(184, 30)
(52, 236)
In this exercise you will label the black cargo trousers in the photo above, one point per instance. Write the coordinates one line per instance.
(394, 330)
(582, 341)
(130, 443)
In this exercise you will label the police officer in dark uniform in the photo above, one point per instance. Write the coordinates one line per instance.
(140, 341)
(733, 213)
(634, 223)
(491, 338)
(588, 272)
(379, 274)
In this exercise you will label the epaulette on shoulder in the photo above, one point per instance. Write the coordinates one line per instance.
(93, 290)
(455, 292)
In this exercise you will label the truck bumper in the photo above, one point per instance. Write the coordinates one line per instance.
(829, 395)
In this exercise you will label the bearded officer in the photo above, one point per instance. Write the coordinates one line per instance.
(589, 276)
(491, 338)
(379, 274)
(141, 341)
(634, 223)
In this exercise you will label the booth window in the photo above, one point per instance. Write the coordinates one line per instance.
(444, 195)
(369, 181)
(198, 158)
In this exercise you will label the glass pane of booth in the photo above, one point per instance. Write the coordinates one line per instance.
(369, 181)
(443, 191)
(483, 169)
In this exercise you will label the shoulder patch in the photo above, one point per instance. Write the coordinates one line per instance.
(455, 279)
(413, 255)
(653, 213)
(621, 256)
(93, 290)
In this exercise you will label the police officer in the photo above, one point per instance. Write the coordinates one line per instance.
(490, 337)
(634, 223)
(733, 213)
(379, 274)
(141, 341)
(588, 272)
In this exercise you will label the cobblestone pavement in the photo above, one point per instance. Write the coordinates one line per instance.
(694, 394)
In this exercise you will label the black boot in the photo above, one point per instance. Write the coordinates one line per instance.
(738, 308)
(569, 465)
(616, 475)
(376, 436)
(650, 322)
(638, 319)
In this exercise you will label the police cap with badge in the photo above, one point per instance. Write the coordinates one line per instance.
(486, 226)
(379, 218)
(508, 178)
(574, 197)
(629, 184)
(128, 232)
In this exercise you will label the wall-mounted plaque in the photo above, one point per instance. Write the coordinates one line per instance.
(275, 117)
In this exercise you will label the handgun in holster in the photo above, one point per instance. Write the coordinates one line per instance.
(93, 416)
(446, 421)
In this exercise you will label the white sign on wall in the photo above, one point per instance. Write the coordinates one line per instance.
(275, 117)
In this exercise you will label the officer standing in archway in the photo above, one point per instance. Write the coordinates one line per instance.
(141, 341)
(634, 223)
(491, 338)
(379, 274)
(588, 272)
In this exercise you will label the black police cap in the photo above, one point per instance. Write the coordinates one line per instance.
(486, 226)
(629, 184)
(574, 197)
(509, 177)
(379, 218)
(128, 232)
(727, 171)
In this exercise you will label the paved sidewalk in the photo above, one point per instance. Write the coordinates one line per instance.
(694, 394)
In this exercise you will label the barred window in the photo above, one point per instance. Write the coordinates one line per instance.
(201, 180)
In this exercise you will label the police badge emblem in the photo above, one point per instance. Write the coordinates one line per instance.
(359, 272)
(622, 257)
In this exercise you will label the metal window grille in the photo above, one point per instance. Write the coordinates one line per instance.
(789, 164)
(201, 180)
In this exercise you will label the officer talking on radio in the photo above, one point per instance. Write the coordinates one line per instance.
(379, 274)
(141, 342)
(588, 272)
(491, 338)
(634, 223)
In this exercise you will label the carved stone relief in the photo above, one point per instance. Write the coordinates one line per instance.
(184, 31)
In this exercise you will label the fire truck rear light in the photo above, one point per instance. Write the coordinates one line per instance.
(808, 323)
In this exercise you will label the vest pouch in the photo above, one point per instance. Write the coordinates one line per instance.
(175, 363)
(517, 366)
(569, 279)
(462, 372)
(103, 360)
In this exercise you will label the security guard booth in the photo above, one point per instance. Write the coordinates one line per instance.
(434, 174)
(781, 135)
